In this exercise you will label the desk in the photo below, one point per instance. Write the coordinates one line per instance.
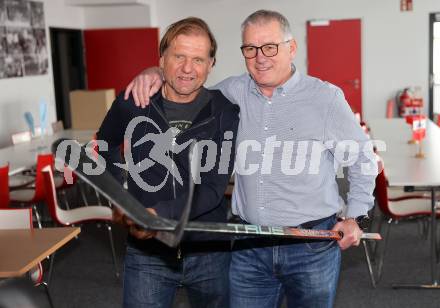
(21, 250)
(404, 169)
(24, 155)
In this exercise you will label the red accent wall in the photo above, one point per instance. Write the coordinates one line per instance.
(115, 56)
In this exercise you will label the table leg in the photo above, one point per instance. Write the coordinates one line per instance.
(433, 239)
(434, 281)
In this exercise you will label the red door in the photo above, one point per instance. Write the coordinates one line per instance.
(115, 56)
(334, 55)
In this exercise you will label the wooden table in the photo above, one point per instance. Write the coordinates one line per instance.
(21, 250)
(24, 155)
(404, 169)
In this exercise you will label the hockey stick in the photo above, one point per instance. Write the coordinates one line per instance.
(172, 230)
(172, 239)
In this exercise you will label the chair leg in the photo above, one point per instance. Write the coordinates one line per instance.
(37, 215)
(83, 194)
(112, 247)
(369, 265)
(98, 199)
(426, 225)
(66, 200)
(51, 264)
(49, 298)
(382, 255)
(383, 221)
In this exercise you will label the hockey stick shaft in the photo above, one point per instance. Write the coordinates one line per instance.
(286, 232)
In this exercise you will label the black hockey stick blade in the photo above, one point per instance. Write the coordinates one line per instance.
(174, 238)
(72, 154)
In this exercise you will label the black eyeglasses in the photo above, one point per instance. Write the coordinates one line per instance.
(269, 50)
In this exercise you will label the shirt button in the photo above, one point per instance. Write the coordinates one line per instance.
(269, 102)
(265, 128)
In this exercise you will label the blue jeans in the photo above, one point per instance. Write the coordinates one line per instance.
(264, 270)
(152, 280)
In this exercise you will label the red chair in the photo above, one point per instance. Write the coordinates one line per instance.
(35, 194)
(77, 215)
(4, 187)
(396, 209)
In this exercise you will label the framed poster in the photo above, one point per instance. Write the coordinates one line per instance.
(23, 44)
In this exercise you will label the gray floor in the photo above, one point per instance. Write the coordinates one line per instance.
(84, 275)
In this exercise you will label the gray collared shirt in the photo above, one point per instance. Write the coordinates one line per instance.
(286, 150)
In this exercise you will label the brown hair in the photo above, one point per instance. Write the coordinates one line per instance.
(187, 26)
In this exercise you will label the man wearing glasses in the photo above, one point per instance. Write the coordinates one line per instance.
(281, 108)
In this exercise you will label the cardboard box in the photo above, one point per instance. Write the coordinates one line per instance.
(88, 108)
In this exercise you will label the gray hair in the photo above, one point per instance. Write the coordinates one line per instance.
(265, 16)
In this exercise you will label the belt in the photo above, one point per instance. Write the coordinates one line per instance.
(306, 225)
(311, 224)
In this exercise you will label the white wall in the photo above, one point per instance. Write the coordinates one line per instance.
(395, 45)
(18, 95)
(119, 16)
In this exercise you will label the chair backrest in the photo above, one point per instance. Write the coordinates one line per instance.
(4, 187)
(21, 137)
(43, 160)
(381, 194)
(16, 219)
(68, 217)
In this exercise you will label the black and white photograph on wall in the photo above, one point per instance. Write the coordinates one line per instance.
(35, 65)
(31, 65)
(3, 46)
(2, 67)
(14, 41)
(14, 66)
(23, 43)
(2, 12)
(37, 14)
(27, 41)
(41, 51)
(19, 13)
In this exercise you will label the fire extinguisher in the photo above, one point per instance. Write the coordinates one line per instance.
(404, 99)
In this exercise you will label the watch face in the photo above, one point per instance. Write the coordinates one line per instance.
(363, 221)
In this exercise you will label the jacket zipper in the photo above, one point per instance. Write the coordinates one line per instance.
(171, 152)
(174, 143)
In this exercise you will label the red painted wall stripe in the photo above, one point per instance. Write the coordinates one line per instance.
(115, 56)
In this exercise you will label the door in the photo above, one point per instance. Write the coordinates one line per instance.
(434, 63)
(68, 68)
(115, 56)
(334, 55)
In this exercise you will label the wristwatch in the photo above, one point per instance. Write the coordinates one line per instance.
(363, 221)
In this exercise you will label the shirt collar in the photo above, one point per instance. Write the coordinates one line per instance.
(282, 89)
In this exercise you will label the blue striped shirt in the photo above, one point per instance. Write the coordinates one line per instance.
(285, 165)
